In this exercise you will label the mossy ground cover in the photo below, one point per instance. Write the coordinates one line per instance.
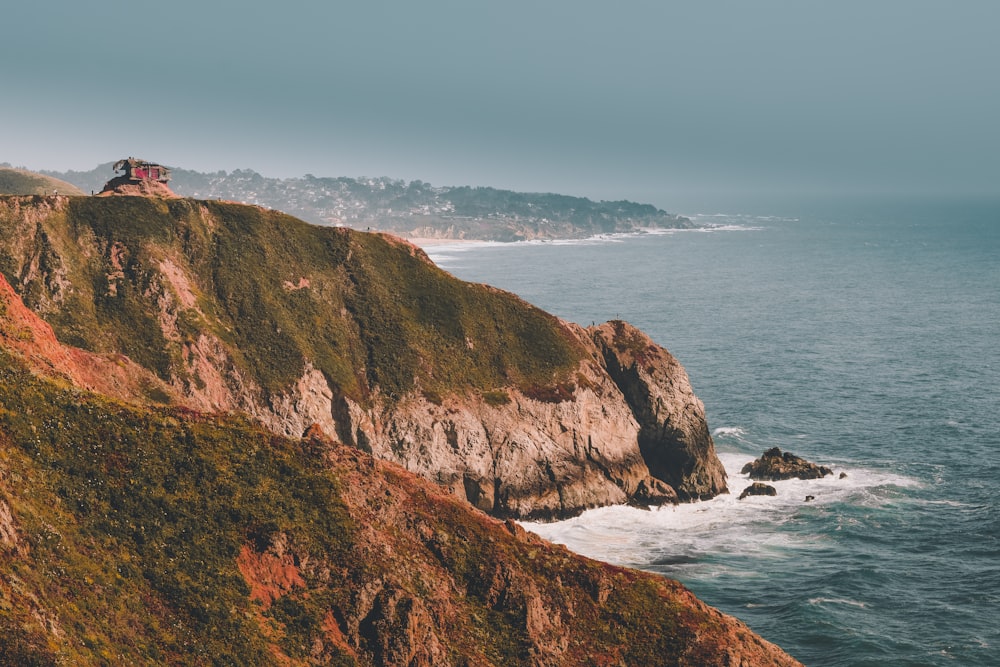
(370, 313)
(133, 520)
(468, 335)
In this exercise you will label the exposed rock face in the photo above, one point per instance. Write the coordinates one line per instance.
(673, 435)
(614, 420)
(523, 458)
(775, 465)
(126, 187)
(24, 333)
(9, 539)
(758, 489)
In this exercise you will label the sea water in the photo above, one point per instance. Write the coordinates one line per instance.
(861, 334)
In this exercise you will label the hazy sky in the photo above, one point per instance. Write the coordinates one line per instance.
(657, 101)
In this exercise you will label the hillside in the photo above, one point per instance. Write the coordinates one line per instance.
(152, 512)
(23, 182)
(233, 308)
(414, 209)
(155, 536)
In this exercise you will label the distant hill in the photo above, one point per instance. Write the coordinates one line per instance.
(414, 209)
(23, 182)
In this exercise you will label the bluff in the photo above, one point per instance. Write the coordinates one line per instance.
(227, 308)
(151, 535)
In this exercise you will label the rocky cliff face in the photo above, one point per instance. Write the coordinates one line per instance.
(673, 435)
(230, 308)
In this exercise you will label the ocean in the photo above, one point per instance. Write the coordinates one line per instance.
(862, 334)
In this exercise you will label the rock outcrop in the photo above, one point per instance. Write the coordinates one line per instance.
(122, 186)
(673, 435)
(758, 489)
(230, 308)
(775, 465)
(525, 456)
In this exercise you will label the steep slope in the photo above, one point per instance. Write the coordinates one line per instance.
(235, 308)
(145, 536)
(32, 340)
(23, 182)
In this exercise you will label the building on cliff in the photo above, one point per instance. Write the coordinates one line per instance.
(136, 177)
(136, 170)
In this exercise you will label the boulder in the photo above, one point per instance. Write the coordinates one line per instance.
(759, 489)
(776, 465)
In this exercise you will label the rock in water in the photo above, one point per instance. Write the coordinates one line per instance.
(776, 465)
(759, 489)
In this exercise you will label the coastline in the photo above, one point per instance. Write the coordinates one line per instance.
(426, 242)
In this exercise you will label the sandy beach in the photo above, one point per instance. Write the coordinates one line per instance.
(432, 242)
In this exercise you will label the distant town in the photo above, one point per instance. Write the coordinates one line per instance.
(414, 209)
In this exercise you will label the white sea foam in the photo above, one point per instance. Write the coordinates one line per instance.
(444, 252)
(675, 537)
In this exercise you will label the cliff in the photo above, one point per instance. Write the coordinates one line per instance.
(134, 535)
(232, 308)
(142, 524)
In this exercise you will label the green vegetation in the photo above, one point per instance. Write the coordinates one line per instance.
(370, 313)
(412, 314)
(134, 520)
(23, 182)
(496, 398)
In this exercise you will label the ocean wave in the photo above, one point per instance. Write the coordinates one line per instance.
(674, 538)
(741, 217)
(445, 251)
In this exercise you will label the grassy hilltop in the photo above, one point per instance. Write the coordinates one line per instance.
(22, 182)
(370, 312)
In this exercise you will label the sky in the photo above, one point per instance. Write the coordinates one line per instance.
(657, 101)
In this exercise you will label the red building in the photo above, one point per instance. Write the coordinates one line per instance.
(140, 170)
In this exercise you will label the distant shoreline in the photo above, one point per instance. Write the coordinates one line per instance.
(424, 242)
